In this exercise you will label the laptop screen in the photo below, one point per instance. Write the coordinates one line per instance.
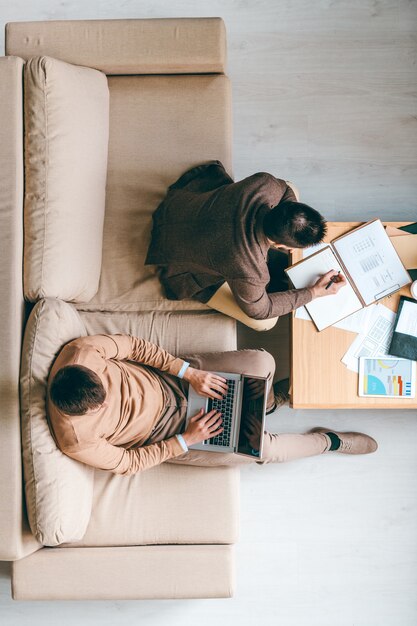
(251, 421)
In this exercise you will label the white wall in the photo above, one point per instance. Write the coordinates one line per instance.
(324, 95)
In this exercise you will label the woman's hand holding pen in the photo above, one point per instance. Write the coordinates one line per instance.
(328, 284)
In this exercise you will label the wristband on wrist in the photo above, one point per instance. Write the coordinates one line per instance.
(182, 443)
(184, 368)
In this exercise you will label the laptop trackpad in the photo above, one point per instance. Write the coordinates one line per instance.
(195, 403)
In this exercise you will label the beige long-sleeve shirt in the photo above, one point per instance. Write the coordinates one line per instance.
(110, 437)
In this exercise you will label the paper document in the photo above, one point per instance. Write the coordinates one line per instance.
(407, 322)
(389, 377)
(357, 322)
(375, 340)
(372, 262)
(326, 310)
(354, 323)
(312, 249)
(302, 314)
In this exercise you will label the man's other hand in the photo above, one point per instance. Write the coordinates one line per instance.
(203, 426)
(319, 288)
(206, 384)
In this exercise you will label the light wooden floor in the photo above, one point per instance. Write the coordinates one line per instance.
(325, 96)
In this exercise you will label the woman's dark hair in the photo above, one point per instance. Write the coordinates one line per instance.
(75, 389)
(294, 224)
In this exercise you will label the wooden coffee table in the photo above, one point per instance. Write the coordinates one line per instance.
(318, 378)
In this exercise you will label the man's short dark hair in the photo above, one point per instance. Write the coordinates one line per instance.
(294, 224)
(76, 389)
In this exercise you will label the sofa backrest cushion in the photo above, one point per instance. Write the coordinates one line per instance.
(16, 541)
(59, 490)
(130, 46)
(66, 146)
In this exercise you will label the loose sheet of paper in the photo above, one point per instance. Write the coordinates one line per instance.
(372, 262)
(312, 249)
(327, 310)
(375, 340)
(407, 323)
(302, 314)
(354, 323)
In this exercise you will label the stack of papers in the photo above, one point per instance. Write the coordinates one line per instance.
(373, 324)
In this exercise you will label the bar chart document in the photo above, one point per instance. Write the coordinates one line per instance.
(372, 262)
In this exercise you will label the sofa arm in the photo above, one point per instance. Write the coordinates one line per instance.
(147, 46)
(16, 540)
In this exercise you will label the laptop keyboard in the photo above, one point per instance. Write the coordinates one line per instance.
(225, 407)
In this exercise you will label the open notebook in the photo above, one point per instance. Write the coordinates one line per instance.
(368, 260)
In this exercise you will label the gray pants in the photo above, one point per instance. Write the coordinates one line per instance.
(277, 448)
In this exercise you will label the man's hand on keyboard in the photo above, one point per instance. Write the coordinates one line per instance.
(203, 426)
(206, 384)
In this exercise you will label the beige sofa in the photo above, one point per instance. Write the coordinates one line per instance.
(167, 532)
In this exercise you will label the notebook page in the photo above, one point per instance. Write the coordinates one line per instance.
(327, 310)
(372, 262)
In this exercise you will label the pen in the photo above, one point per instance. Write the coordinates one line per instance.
(332, 280)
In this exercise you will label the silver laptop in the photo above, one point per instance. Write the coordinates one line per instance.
(245, 402)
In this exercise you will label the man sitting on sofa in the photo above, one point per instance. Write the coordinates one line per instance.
(119, 403)
(211, 237)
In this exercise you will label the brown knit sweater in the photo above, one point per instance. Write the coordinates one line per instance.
(209, 229)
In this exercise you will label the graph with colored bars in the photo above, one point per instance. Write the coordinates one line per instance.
(387, 377)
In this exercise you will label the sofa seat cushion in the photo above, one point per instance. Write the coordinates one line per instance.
(170, 503)
(167, 503)
(66, 146)
(58, 489)
(160, 126)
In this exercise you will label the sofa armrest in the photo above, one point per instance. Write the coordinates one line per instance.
(16, 540)
(147, 46)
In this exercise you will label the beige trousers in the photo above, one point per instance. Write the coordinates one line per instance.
(277, 448)
(224, 300)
